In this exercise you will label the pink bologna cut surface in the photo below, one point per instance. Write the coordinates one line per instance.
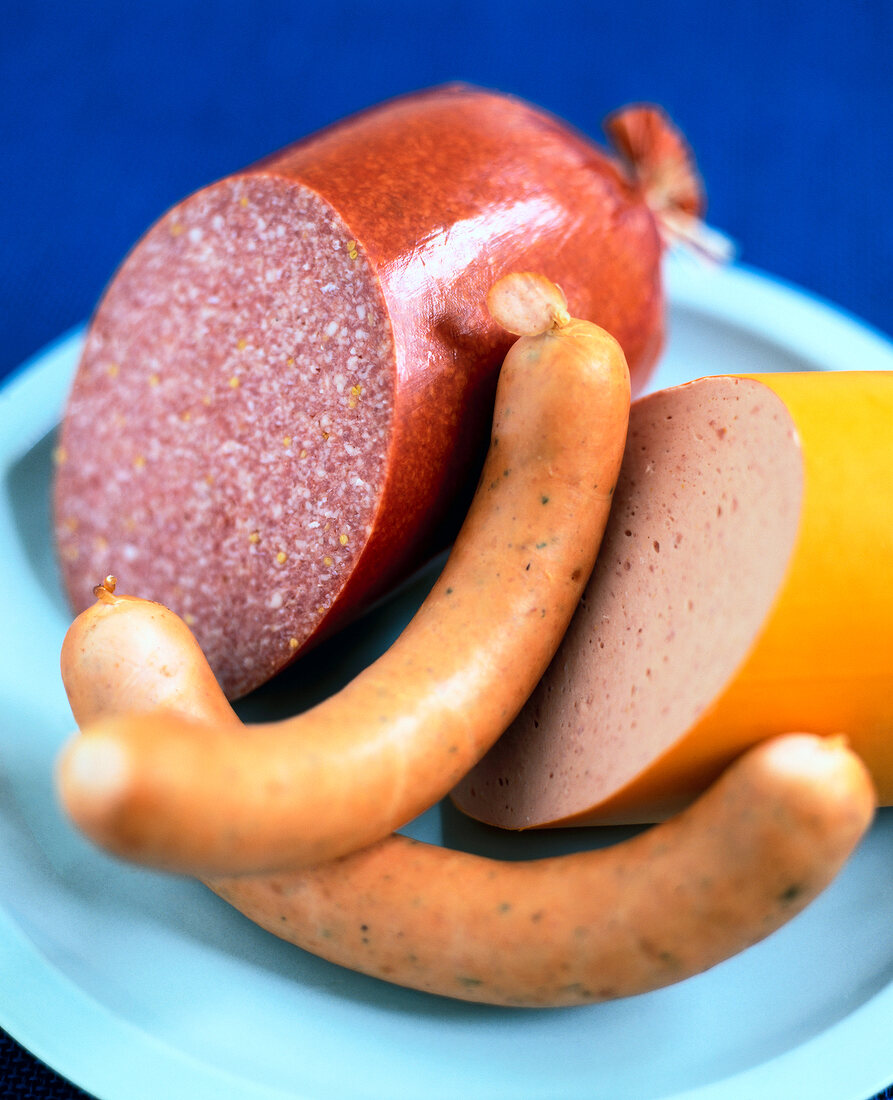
(702, 528)
(226, 436)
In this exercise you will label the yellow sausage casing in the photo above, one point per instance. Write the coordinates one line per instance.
(744, 588)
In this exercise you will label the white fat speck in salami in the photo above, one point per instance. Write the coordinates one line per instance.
(226, 516)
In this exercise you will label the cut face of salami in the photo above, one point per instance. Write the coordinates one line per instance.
(225, 443)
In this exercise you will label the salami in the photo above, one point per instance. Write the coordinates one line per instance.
(284, 397)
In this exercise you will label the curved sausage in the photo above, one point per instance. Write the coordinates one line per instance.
(742, 590)
(292, 375)
(670, 903)
(757, 847)
(218, 798)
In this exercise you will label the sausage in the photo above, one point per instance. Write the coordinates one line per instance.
(742, 590)
(757, 847)
(220, 798)
(292, 374)
(592, 926)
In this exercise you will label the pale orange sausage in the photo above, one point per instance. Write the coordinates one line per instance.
(756, 848)
(215, 797)
(674, 901)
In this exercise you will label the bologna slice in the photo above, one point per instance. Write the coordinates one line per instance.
(285, 392)
(743, 589)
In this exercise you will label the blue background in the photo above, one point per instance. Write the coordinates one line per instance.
(110, 112)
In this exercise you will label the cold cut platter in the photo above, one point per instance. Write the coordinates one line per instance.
(134, 983)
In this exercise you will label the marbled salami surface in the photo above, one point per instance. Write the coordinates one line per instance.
(224, 445)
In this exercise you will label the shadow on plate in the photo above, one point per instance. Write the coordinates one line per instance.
(28, 486)
(333, 663)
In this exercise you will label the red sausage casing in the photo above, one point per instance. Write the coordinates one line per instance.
(285, 392)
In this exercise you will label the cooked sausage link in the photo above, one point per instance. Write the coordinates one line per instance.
(762, 843)
(217, 797)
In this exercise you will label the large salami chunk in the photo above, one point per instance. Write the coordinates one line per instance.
(285, 392)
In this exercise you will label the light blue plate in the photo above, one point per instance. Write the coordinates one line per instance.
(138, 986)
